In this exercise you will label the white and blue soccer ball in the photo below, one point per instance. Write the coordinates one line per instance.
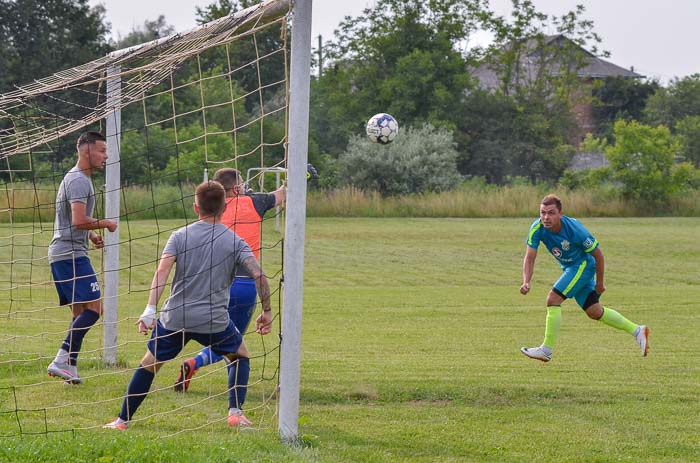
(382, 128)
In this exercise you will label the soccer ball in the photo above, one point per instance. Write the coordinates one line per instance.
(382, 128)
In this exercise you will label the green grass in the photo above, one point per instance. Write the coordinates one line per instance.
(410, 353)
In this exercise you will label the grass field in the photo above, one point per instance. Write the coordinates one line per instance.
(410, 353)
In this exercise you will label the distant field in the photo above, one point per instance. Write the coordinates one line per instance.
(410, 353)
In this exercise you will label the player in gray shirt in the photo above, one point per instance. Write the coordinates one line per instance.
(207, 255)
(73, 275)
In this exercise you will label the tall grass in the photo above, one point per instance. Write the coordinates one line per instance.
(472, 200)
(36, 204)
(490, 201)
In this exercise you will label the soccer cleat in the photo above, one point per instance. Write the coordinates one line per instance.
(643, 339)
(63, 370)
(76, 377)
(238, 420)
(187, 371)
(536, 353)
(116, 424)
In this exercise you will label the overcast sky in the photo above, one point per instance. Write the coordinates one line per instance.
(659, 38)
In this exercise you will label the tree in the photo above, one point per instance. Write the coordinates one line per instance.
(501, 139)
(688, 131)
(538, 84)
(41, 37)
(669, 105)
(149, 31)
(219, 9)
(620, 98)
(642, 161)
(266, 44)
(532, 66)
(406, 61)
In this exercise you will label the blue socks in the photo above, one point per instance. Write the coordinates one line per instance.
(79, 328)
(205, 357)
(238, 373)
(138, 388)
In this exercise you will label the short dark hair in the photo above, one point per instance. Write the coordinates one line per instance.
(89, 138)
(552, 199)
(228, 177)
(211, 198)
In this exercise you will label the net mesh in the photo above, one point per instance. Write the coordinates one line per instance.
(213, 97)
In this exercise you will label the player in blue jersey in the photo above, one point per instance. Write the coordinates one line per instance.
(583, 266)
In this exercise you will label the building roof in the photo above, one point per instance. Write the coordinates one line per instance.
(594, 67)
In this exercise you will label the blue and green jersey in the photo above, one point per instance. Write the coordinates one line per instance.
(571, 246)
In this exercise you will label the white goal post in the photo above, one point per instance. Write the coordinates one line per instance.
(295, 224)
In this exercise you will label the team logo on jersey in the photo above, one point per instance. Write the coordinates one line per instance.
(588, 243)
(556, 252)
(565, 245)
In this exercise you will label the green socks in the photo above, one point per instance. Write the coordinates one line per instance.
(552, 324)
(615, 319)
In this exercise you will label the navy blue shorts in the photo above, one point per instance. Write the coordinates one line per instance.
(75, 281)
(165, 344)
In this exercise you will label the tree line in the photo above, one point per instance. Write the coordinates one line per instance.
(414, 60)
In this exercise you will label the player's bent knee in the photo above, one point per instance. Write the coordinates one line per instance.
(150, 363)
(555, 297)
(242, 352)
(592, 306)
(595, 311)
(232, 357)
(95, 306)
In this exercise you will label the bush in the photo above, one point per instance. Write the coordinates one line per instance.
(420, 160)
(642, 161)
(688, 131)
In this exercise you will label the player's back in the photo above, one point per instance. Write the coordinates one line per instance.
(207, 257)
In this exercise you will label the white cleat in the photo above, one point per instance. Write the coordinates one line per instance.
(63, 371)
(643, 339)
(76, 377)
(536, 353)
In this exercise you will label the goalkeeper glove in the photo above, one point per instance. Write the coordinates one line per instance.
(311, 172)
(147, 320)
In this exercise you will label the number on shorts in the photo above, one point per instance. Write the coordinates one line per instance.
(95, 286)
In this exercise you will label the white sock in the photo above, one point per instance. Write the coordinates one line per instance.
(61, 356)
(234, 411)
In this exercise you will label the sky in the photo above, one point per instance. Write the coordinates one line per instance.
(658, 38)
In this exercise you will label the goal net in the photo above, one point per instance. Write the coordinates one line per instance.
(174, 111)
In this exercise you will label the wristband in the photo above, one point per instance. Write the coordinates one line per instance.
(149, 315)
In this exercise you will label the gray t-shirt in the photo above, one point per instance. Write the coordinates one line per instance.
(206, 258)
(69, 242)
